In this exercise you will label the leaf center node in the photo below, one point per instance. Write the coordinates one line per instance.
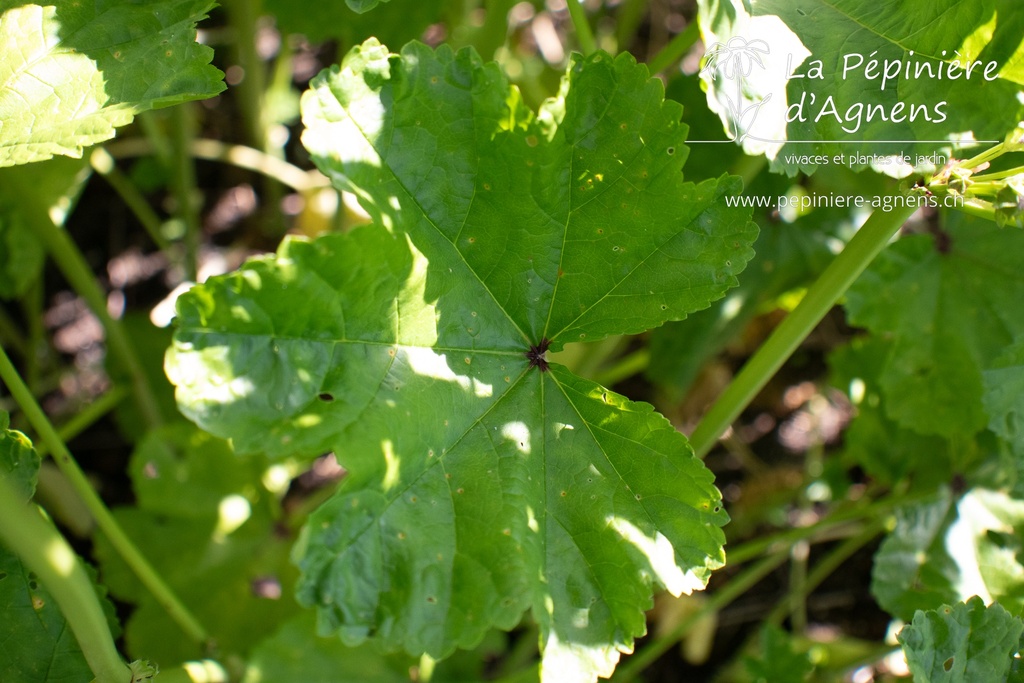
(536, 355)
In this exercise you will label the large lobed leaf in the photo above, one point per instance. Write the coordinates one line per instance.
(71, 72)
(480, 484)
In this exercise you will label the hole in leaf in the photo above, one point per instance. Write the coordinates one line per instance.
(34, 585)
(326, 397)
(948, 664)
(3, 575)
(671, 151)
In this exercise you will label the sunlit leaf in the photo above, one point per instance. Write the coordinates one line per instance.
(72, 72)
(482, 483)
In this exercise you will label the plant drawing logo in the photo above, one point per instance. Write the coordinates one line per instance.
(735, 61)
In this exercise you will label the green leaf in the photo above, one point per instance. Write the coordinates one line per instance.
(940, 553)
(962, 643)
(403, 348)
(28, 195)
(949, 305)
(1004, 396)
(776, 71)
(207, 524)
(778, 661)
(72, 72)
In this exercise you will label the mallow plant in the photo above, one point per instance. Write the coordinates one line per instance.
(527, 243)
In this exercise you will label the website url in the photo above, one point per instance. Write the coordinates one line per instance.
(843, 201)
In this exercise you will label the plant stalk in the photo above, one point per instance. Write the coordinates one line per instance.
(44, 551)
(584, 35)
(823, 294)
(104, 519)
(676, 48)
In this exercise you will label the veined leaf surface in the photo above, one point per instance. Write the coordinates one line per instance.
(483, 482)
(71, 72)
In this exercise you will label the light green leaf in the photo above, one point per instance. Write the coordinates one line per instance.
(949, 305)
(962, 643)
(72, 72)
(783, 72)
(1004, 396)
(403, 348)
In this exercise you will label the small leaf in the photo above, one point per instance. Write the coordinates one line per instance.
(962, 643)
(72, 72)
(778, 661)
(19, 462)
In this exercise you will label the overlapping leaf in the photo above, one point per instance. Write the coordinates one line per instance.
(480, 484)
(963, 643)
(764, 84)
(72, 72)
(950, 305)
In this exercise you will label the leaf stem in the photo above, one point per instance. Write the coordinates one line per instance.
(103, 163)
(676, 48)
(104, 519)
(823, 294)
(823, 569)
(86, 417)
(241, 156)
(183, 184)
(625, 367)
(584, 36)
(45, 552)
(72, 264)
(736, 587)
